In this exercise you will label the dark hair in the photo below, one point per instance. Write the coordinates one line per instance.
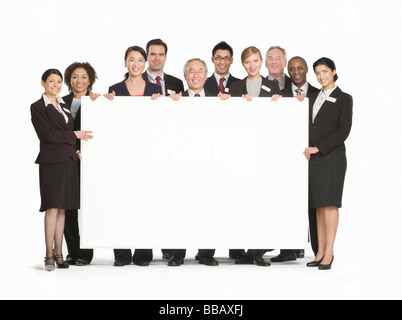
(76, 65)
(326, 62)
(222, 46)
(49, 72)
(134, 48)
(298, 57)
(157, 42)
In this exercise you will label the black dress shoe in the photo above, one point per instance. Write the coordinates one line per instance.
(245, 260)
(326, 266)
(284, 257)
(120, 263)
(197, 257)
(142, 263)
(237, 253)
(256, 256)
(314, 263)
(175, 262)
(209, 261)
(300, 254)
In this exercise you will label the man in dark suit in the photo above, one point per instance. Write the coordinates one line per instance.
(196, 74)
(156, 55)
(222, 58)
(297, 69)
(276, 62)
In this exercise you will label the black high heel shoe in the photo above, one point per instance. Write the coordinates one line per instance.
(62, 265)
(314, 263)
(326, 266)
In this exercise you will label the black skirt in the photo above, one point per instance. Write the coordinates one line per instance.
(326, 179)
(59, 186)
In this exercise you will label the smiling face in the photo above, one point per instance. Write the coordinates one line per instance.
(253, 64)
(80, 81)
(52, 85)
(156, 58)
(135, 63)
(196, 76)
(275, 63)
(222, 62)
(298, 72)
(325, 76)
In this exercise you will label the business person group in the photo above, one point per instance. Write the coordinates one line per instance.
(57, 123)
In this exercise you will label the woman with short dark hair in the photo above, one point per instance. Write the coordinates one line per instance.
(57, 159)
(134, 85)
(330, 125)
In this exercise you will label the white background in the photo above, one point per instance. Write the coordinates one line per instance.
(362, 37)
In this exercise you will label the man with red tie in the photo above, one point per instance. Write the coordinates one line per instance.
(156, 56)
(220, 81)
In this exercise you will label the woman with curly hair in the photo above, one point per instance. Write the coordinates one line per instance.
(79, 78)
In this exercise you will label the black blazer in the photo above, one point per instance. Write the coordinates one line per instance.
(238, 88)
(287, 91)
(171, 83)
(333, 122)
(212, 86)
(57, 139)
(121, 89)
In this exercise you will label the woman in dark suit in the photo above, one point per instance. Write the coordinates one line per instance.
(254, 85)
(134, 85)
(80, 78)
(330, 125)
(57, 159)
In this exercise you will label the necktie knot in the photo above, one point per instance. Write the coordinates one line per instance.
(158, 81)
(197, 95)
(299, 91)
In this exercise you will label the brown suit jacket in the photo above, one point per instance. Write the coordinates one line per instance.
(57, 138)
(333, 122)
(238, 88)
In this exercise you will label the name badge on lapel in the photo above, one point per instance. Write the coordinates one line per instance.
(266, 88)
(171, 91)
(227, 90)
(66, 110)
(330, 99)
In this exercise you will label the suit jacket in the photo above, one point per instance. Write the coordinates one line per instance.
(287, 92)
(238, 88)
(207, 93)
(212, 86)
(121, 89)
(171, 83)
(57, 139)
(332, 123)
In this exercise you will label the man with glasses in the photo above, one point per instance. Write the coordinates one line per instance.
(220, 81)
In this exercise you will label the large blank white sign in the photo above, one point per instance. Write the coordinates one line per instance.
(194, 173)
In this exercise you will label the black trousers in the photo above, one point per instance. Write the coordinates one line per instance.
(126, 256)
(72, 236)
(203, 253)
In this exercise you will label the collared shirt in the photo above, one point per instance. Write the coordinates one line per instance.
(218, 79)
(321, 98)
(58, 107)
(281, 80)
(191, 93)
(152, 78)
(304, 87)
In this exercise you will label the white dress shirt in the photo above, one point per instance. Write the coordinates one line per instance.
(321, 98)
(58, 107)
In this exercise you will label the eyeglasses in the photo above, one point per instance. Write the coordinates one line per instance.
(219, 59)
